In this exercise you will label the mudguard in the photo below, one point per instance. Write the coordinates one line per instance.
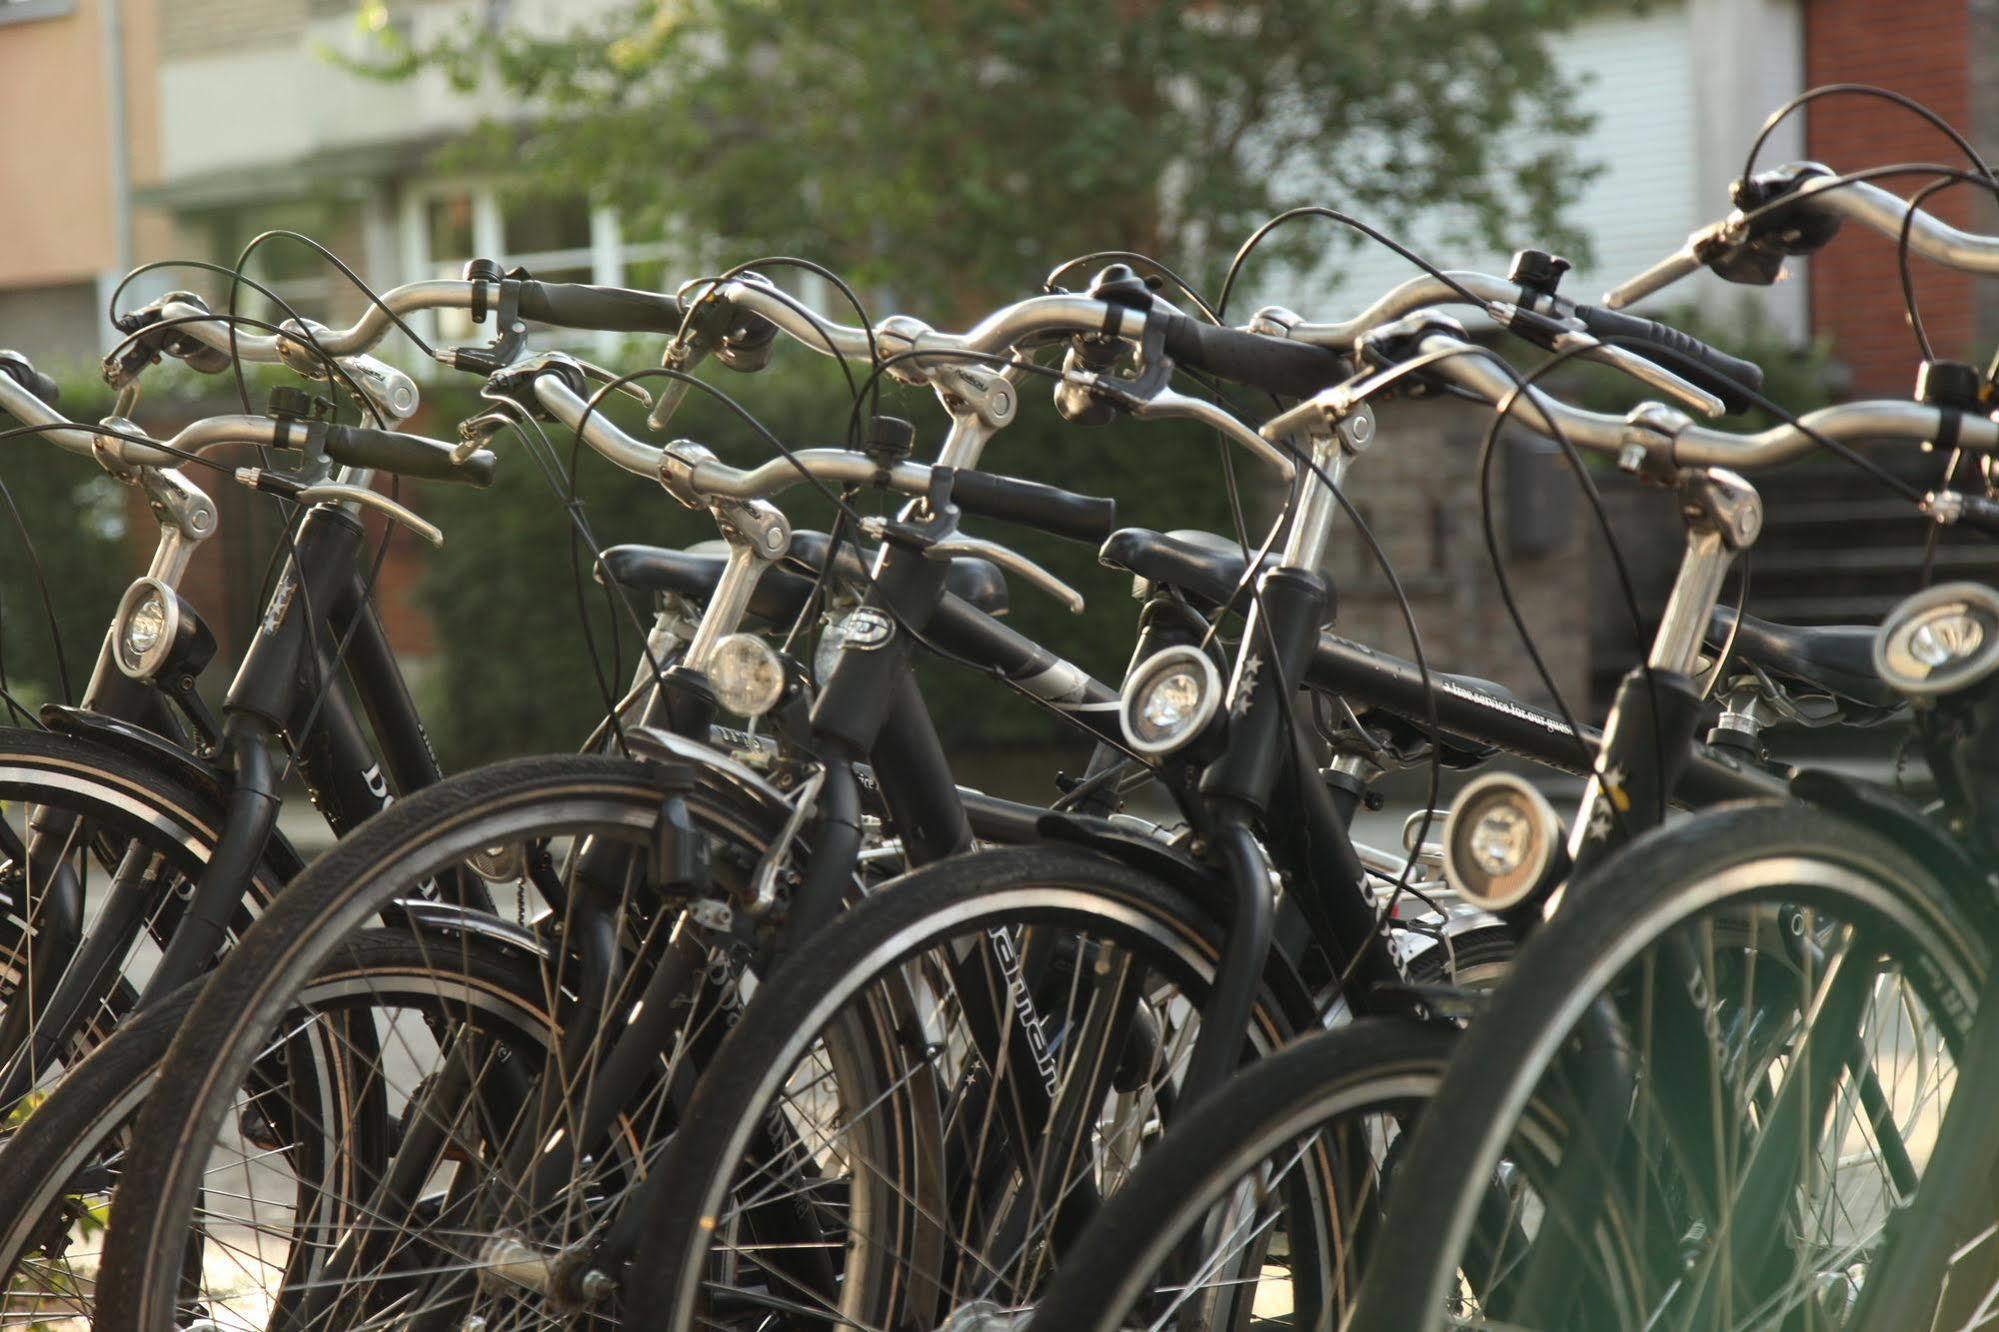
(155, 753)
(1905, 824)
(1169, 864)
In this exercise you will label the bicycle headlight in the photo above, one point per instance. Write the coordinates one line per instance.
(151, 622)
(1169, 700)
(746, 675)
(1502, 842)
(1939, 641)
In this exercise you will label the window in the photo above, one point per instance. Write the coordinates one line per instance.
(297, 274)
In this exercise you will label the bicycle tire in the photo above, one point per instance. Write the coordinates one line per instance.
(868, 942)
(442, 825)
(124, 797)
(1643, 895)
(41, 1162)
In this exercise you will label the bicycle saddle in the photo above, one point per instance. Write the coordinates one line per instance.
(694, 572)
(1204, 567)
(1837, 659)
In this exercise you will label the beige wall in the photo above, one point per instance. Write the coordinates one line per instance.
(55, 174)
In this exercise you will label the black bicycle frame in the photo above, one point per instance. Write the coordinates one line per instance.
(285, 693)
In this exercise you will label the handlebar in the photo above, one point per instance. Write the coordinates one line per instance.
(1706, 367)
(572, 304)
(1276, 365)
(1828, 197)
(1679, 441)
(19, 369)
(358, 446)
(611, 309)
(405, 455)
(695, 475)
(1046, 508)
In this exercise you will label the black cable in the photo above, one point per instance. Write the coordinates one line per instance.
(1345, 219)
(1048, 284)
(332, 363)
(1810, 95)
(48, 603)
(373, 298)
(1592, 761)
(1923, 347)
(713, 285)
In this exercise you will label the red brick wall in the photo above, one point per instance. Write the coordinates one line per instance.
(1921, 50)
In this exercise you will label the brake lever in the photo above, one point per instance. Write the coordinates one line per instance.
(1564, 337)
(710, 316)
(1163, 404)
(334, 492)
(475, 432)
(1007, 558)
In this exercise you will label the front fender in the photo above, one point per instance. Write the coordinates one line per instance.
(1908, 826)
(155, 753)
(1208, 886)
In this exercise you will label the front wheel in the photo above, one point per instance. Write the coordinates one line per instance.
(918, 1114)
(1749, 1022)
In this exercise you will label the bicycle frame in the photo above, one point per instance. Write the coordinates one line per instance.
(284, 694)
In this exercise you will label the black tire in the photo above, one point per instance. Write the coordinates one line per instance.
(62, 1163)
(418, 837)
(859, 960)
(1477, 958)
(1698, 870)
(120, 799)
(1375, 1067)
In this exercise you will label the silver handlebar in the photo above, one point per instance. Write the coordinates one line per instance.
(1678, 440)
(709, 477)
(1869, 205)
(208, 433)
(694, 476)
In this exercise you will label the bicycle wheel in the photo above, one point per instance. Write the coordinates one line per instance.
(99, 853)
(543, 814)
(59, 1169)
(1749, 1023)
(916, 1115)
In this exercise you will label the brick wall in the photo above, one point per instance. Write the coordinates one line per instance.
(1417, 488)
(1920, 50)
(193, 28)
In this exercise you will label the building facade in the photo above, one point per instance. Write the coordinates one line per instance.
(183, 127)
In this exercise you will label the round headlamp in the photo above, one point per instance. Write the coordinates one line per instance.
(746, 675)
(1169, 700)
(149, 625)
(1943, 639)
(1502, 842)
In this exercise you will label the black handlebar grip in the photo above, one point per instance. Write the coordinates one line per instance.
(17, 368)
(1687, 356)
(610, 309)
(406, 455)
(1276, 365)
(1061, 513)
(1980, 513)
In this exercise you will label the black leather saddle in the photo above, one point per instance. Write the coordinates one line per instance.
(781, 592)
(1836, 659)
(1207, 569)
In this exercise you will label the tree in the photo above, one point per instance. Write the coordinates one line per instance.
(927, 147)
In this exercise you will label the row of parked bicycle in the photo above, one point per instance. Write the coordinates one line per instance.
(749, 1015)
